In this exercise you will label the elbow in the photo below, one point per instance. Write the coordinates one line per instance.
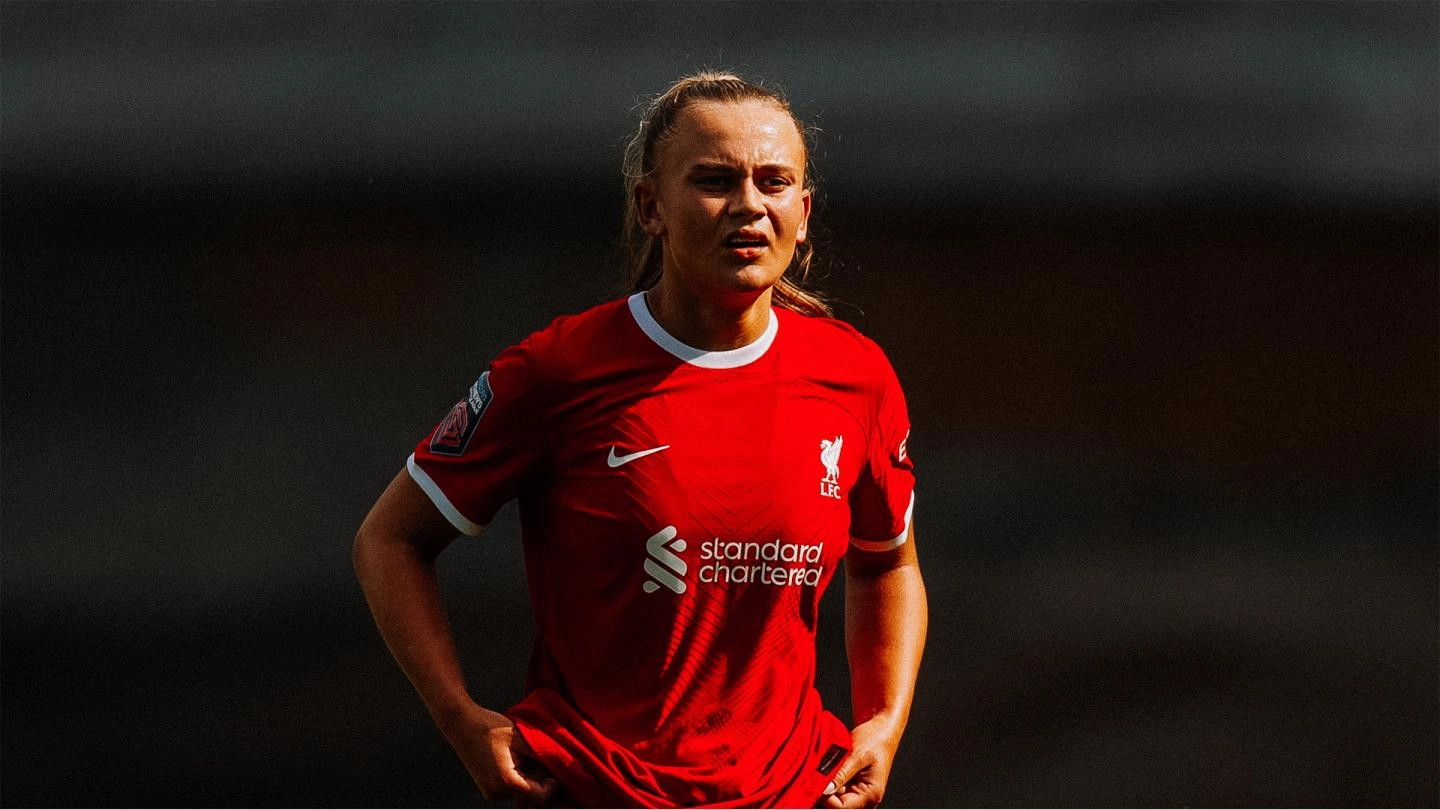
(378, 550)
(365, 551)
(359, 553)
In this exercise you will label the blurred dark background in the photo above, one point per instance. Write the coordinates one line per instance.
(1160, 281)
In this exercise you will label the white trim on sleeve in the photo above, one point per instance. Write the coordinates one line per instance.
(894, 542)
(437, 496)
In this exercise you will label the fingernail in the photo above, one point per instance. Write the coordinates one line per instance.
(829, 790)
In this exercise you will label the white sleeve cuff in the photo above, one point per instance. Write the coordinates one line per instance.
(894, 542)
(437, 496)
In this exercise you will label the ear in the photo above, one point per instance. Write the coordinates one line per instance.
(804, 228)
(647, 207)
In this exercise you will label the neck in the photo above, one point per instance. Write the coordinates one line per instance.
(713, 326)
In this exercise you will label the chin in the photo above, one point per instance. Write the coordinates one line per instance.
(755, 279)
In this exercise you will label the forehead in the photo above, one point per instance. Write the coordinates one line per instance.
(751, 131)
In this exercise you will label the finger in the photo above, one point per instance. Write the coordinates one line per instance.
(518, 744)
(530, 802)
(530, 767)
(514, 782)
(520, 786)
(834, 792)
(852, 796)
(539, 790)
(853, 800)
(843, 774)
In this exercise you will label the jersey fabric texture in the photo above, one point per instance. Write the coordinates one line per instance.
(682, 512)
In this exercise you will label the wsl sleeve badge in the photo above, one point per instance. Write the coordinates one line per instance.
(453, 434)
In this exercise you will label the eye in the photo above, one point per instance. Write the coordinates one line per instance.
(712, 181)
(774, 183)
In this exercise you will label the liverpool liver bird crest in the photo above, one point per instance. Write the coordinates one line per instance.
(830, 457)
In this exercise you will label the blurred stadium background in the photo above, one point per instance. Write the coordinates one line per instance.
(1161, 281)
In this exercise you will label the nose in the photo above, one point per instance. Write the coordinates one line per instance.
(747, 201)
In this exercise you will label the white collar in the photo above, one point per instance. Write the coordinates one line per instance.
(730, 358)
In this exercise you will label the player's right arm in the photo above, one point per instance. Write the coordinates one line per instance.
(394, 555)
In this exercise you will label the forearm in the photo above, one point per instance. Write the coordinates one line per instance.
(885, 627)
(404, 595)
(395, 553)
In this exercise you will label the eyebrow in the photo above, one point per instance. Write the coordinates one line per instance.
(720, 166)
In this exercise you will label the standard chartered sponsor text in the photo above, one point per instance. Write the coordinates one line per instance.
(732, 561)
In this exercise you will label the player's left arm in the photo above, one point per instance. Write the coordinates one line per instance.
(885, 625)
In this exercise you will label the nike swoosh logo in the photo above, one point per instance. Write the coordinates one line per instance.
(620, 461)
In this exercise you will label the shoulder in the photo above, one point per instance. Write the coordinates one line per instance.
(575, 340)
(839, 343)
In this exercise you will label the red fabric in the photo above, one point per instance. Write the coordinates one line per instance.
(601, 773)
(676, 592)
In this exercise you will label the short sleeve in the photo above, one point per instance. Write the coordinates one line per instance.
(882, 501)
(490, 442)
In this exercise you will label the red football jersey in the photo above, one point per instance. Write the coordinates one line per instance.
(682, 512)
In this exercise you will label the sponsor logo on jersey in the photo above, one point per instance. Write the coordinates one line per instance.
(453, 434)
(664, 564)
(776, 563)
(620, 461)
(901, 454)
(830, 457)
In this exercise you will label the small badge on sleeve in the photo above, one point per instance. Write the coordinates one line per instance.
(831, 759)
(453, 434)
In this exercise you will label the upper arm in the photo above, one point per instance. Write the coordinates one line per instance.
(862, 563)
(489, 445)
(404, 513)
(882, 500)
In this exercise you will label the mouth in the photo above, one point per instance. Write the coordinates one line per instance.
(746, 245)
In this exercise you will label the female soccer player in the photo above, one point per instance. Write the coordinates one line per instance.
(691, 463)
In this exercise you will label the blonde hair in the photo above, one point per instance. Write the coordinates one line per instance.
(656, 124)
